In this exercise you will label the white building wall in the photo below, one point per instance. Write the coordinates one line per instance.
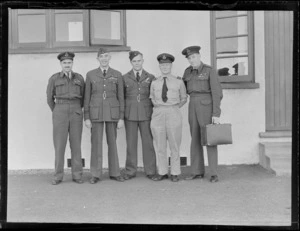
(30, 143)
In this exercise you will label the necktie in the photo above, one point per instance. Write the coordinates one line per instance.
(164, 91)
(104, 73)
(138, 76)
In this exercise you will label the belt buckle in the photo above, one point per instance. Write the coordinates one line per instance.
(138, 98)
(104, 95)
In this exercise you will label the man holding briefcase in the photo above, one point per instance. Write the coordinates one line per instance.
(205, 93)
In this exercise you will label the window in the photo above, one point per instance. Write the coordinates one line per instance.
(232, 46)
(54, 30)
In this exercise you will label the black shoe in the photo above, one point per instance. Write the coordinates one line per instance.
(160, 177)
(128, 176)
(94, 180)
(150, 176)
(174, 178)
(78, 181)
(214, 179)
(55, 182)
(117, 178)
(192, 177)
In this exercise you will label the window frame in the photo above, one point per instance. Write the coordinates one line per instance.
(236, 78)
(95, 42)
(52, 46)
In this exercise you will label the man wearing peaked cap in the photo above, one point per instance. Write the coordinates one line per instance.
(65, 98)
(138, 111)
(66, 55)
(191, 50)
(168, 94)
(104, 104)
(205, 92)
(165, 58)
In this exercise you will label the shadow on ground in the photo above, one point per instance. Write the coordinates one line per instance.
(245, 195)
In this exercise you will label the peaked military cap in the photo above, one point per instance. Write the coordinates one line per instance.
(66, 55)
(165, 58)
(190, 50)
(132, 54)
(102, 50)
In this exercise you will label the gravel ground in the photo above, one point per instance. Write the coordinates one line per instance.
(245, 195)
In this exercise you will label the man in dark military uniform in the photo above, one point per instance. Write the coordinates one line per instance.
(65, 92)
(168, 94)
(138, 111)
(104, 104)
(205, 93)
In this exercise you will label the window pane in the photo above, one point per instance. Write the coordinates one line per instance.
(68, 27)
(231, 26)
(232, 66)
(232, 46)
(229, 13)
(32, 28)
(107, 24)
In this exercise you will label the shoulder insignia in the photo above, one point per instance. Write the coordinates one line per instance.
(178, 77)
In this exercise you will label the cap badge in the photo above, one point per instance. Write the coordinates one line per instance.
(66, 54)
(164, 57)
(188, 51)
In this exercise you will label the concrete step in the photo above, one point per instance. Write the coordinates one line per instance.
(276, 157)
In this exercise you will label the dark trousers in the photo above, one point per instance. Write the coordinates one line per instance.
(200, 114)
(149, 158)
(96, 154)
(67, 120)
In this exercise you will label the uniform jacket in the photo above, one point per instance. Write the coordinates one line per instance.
(204, 80)
(61, 87)
(138, 106)
(104, 96)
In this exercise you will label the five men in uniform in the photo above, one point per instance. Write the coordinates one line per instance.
(108, 98)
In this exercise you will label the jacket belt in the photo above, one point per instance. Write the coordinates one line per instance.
(68, 101)
(138, 97)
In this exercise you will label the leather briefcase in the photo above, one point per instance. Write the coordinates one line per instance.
(216, 134)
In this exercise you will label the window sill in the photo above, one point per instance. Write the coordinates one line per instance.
(62, 49)
(275, 134)
(240, 85)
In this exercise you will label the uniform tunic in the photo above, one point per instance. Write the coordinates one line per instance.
(138, 111)
(166, 123)
(205, 93)
(104, 103)
(65, 99)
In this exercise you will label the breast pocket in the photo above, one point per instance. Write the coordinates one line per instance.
(173, 94)
(157, 93)
(145, 87)
(201, 84)
(112, 84)
(96, 86)
(77, 87)
(60, 88)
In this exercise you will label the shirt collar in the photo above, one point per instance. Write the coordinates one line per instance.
(102, 69)
(199, 68)
(140, 72)
(169, 76)
(62, 74)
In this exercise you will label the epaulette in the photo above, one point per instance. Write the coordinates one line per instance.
(179, 77)
(205, 65)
